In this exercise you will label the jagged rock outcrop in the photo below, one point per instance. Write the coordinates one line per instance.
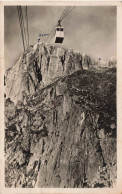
(64, 133)
(40, 66)
(112, 62)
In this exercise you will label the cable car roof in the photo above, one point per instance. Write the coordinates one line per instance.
(60, 27)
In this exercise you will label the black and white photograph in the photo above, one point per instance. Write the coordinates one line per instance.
(60, 102)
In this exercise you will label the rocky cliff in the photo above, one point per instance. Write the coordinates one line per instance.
(60, 121)
(39, 67)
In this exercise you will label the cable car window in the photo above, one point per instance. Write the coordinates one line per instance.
(61, 29)
(58, 29)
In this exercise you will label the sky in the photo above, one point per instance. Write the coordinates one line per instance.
(89, 29)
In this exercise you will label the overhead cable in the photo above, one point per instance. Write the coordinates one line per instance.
(26, 15)
(20, 22)
(23, 25)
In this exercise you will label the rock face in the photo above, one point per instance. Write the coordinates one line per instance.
(42, 65)
(64, 134)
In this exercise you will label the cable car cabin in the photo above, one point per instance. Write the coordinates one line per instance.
(59, 34)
